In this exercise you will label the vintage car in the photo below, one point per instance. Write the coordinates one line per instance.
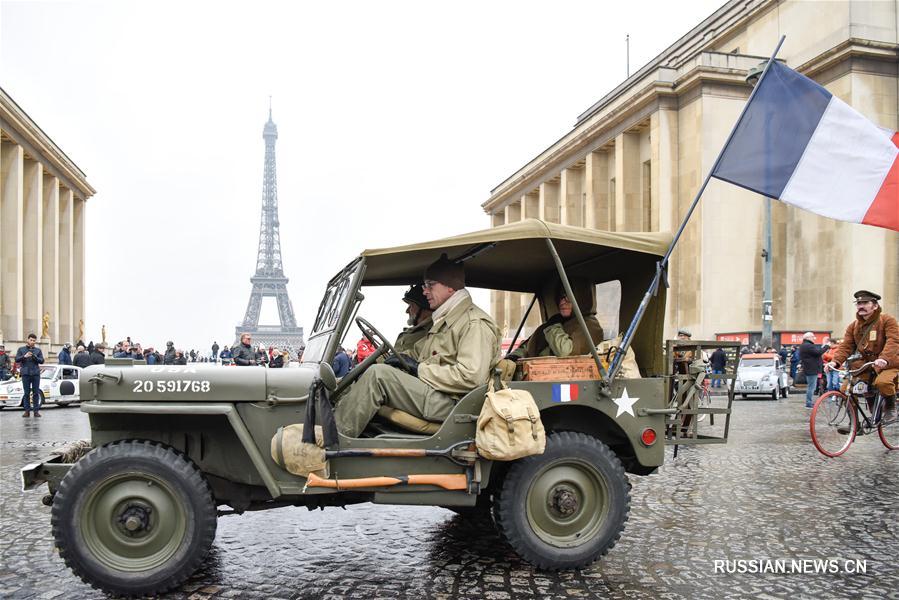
(59, 385)
(762, 375)
(135, 513)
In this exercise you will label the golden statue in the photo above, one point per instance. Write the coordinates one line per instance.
(103, 333)
(80, 330)
(45, 332)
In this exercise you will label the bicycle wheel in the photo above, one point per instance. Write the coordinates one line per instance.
(705, 401)
(833, 424)
(888, 430)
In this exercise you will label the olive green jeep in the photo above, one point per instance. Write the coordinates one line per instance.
(134, 511)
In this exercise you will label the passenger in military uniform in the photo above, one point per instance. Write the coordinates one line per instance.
(875, 335)
(419, 321)
(457, 355)
(561, 334)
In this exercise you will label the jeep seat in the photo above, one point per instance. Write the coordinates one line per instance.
(407, 421)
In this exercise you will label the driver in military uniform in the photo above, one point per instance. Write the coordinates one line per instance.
(456, 356)
(419, 322)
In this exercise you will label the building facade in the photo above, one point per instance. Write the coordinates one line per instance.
(43, 199)
(635, 160)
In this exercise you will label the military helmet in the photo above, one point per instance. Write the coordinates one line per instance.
(416, 295)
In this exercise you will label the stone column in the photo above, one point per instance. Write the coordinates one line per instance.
(548, 205)
(571, 197)
(11, 241)
(627, 182)
(32, 263)
(50, 254)
(530, 205)
(663, 136)
(513, 299)
(530, 209)
(596, 188)
(497, 299)
(66, 263)
(78, 267)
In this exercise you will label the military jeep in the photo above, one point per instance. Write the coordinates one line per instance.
(174, 447)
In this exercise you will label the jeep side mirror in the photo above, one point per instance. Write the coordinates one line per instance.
(327, 376)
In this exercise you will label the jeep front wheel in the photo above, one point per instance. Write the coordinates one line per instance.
(565, 508)
(134, 518)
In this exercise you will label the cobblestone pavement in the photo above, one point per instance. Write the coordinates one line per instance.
(767, 494)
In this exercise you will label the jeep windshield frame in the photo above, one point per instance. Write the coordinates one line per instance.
(337, 305)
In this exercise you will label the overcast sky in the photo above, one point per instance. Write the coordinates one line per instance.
(395, 120)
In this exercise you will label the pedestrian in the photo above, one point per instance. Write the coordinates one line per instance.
(65, 355)
(30, 358)
(82, 358)
(277, 361)
(261, 356)
(718, 362)
(810, 356)
(215, 350)
(364, 349)
(180, 358)
(242, 353)
(169, 357)
(98, 356)
(4, 364)
(225, 355)
(341, 363)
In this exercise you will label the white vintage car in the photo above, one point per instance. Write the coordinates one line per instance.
(762, 374)
(52, 379)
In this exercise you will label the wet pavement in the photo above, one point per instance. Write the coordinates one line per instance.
(703, 526)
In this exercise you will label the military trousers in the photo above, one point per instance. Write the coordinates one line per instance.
(383, 385)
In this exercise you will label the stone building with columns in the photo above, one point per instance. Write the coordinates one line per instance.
(43, 198)
(635, 159)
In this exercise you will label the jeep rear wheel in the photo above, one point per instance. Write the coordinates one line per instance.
(565, 508)
(134, 518)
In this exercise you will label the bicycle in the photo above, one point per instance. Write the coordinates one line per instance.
(834, 421)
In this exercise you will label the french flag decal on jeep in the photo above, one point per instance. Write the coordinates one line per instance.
(564, 392)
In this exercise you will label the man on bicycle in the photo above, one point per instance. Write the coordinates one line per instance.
(875, 335)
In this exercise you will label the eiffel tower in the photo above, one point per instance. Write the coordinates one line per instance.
(269, 280)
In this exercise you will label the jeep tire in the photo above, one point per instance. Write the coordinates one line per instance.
(565, 508)
(134, 518)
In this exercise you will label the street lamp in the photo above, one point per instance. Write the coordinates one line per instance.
(752, 77)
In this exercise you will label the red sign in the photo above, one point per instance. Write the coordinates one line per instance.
(743, 338)
(792, 338)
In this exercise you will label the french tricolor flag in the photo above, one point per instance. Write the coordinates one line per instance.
(564, 392)
(798, 143)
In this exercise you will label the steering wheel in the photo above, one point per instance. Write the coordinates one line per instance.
(384, 348)
(374, 336)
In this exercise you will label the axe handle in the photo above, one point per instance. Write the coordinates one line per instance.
(380, 452)
(447, 482)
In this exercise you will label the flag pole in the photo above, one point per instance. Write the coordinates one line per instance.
(662, 265)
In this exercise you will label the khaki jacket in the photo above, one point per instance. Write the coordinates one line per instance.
(410, 336)
(881, 340)
(563, 339)
(460, 350)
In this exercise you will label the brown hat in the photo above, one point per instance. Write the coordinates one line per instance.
(447, 272)
(864, 295)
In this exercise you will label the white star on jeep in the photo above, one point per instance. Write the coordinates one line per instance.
(625, 404)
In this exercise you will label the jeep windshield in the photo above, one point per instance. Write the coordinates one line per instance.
(334, 305)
